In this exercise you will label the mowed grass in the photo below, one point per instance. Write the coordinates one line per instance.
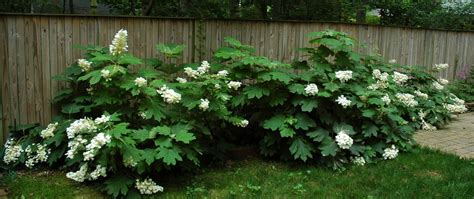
(422, 173)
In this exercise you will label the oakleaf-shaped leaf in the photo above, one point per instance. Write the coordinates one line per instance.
(185, 137)
(287, 132)
(275, 122)
(300, 149)
(256, 92)
(169, 156)
(118, 185)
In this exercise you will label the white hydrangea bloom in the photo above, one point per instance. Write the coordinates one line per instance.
(204, 105)
(119, 43)
(311, 89)
(378, 85)
(392, 61)
(191, 73)
(102, 119)
(142, 115)
(343, 140)
(169, 95)
(343, 101)
(80, 175)
(33, 157)
(443, 81)
(379, 75)
(95, 145)
(204, 68)
(386, 99)
(106, 74)
(457, 107)
(407, 99)
(12, 151)
(74, 145)
(438, 86)
(344, 75)
(331, 59)
(390, 153)
(140, 82)
(223, 73)
(421, 94)
(48, 131)
(243, 123)
(99, 171)
(399, 78)
(148, 187)
(359, 161)
(80, 126)
(234, 85)
(181, 80)
(84, 64)
(439, 67)
(217, 86)
(129, 162)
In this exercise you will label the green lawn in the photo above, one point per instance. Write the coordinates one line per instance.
(420, 174)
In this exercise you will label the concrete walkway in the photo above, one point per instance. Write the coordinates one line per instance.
(456, 138)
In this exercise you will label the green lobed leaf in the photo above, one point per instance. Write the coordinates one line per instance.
(169, 156)
(287, 132)
(274, 123)
(118, 185)
(300, 149)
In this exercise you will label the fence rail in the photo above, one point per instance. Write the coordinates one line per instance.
(35, 48)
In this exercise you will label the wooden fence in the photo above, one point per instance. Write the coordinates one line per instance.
(34, 48)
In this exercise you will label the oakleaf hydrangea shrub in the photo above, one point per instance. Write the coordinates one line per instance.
(126, 121)
(337, 106)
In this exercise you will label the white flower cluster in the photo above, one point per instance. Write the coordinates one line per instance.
(84, 64)
(204, 105)
(242, 123)
(234, 85)
(344, 75)
(42, 153)
(80, 175)
(95, 145)
(457, 107)
(343, 140)
(443, 81)
(359, 161)
(75, 145)
(392, 61)
(12, 151)
(102, 119)
(129, 162)
(311, 89)
(421, 95)
(222, 73)
(140, 82)
(425, 125)
(80, 126)
(343, 101)
(439, 67)
(386, 99)
(148, 187)
(390, 153)
(119, 43)
(204, 68)
(438, 86)
(169, 95)
(399, 78)
(407, 99)
(106, 74)
(98, 172)
(48, 131)
(142, 115)
(381, 78)
(181, 80)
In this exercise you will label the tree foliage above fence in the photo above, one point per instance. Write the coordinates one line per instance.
(420, 13)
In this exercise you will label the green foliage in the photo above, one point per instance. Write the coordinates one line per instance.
(138, 119)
